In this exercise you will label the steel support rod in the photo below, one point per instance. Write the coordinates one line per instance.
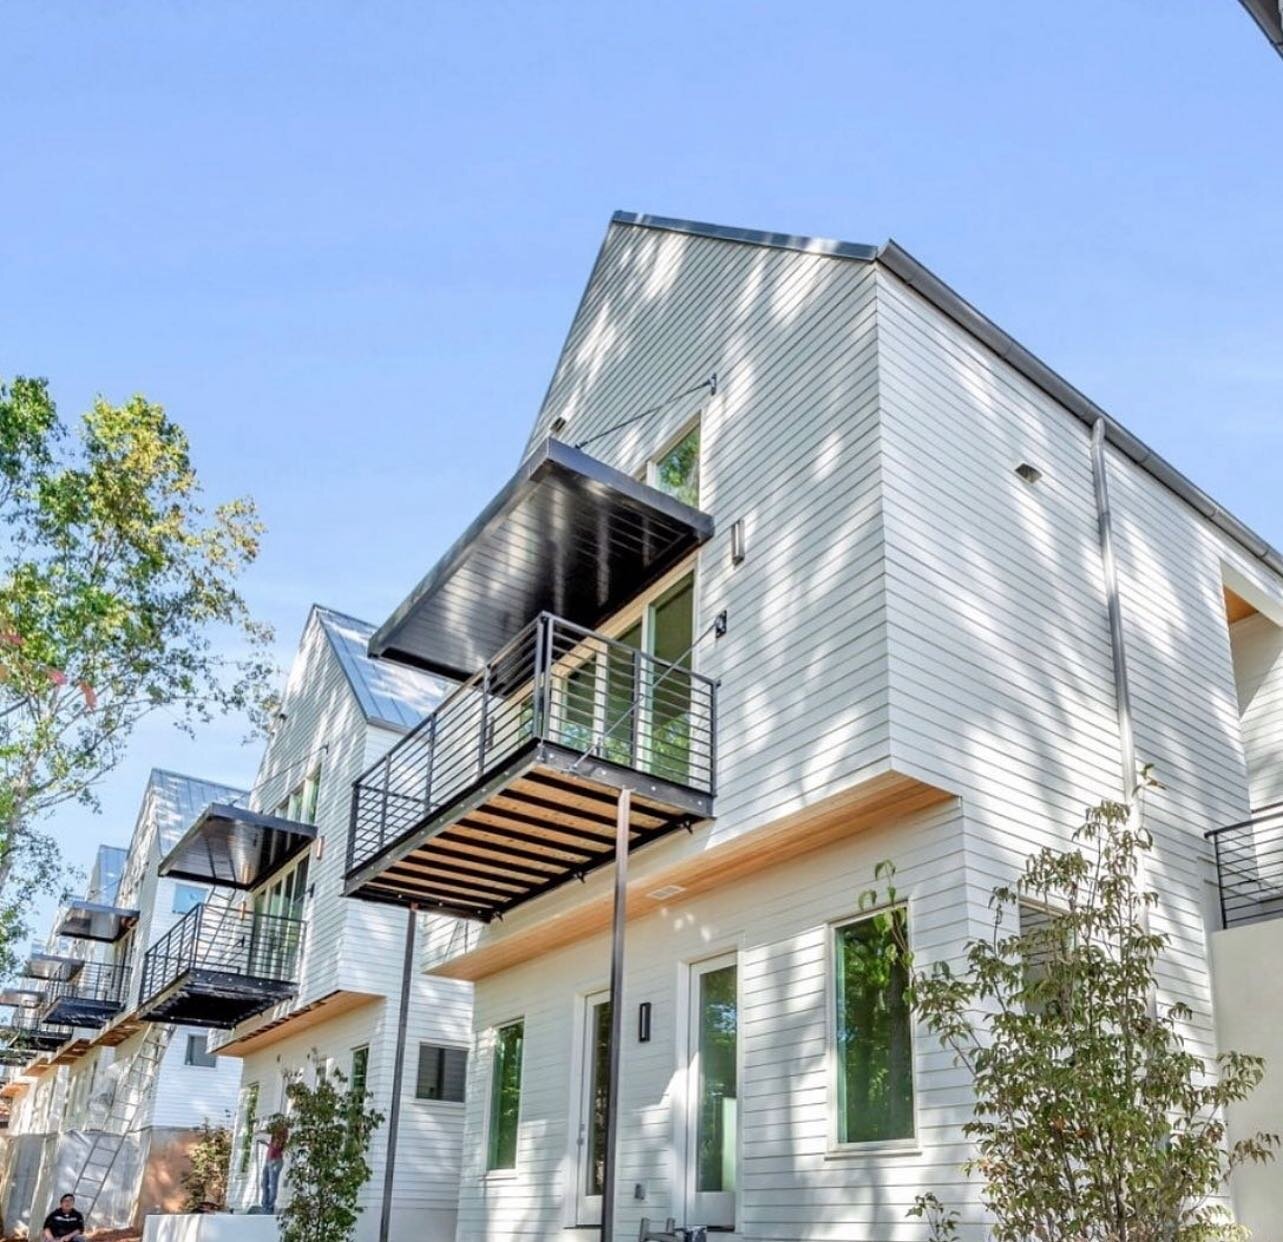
(622, 820)
(398, 1074)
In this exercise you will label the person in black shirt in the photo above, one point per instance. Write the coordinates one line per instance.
(66, 1222)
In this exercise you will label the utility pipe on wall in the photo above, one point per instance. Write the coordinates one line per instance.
(611, 1168)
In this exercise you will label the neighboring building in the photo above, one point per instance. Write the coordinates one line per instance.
(114, 1103)
(887, 588)
(310, 979)
(1268, 15)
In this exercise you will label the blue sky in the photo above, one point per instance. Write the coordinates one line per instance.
(342, 242)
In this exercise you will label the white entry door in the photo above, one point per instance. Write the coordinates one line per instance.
(595, 1083)
(712, 1091)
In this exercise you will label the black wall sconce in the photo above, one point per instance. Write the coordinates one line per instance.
(643, 1022)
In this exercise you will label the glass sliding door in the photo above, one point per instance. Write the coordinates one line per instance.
(713, 1092)
(672, 632)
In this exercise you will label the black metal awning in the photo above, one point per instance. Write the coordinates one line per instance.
(236, 848)
(88, 920)
(52, 966)
(567, 535)
(21, 998)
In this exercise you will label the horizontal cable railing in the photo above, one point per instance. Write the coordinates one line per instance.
(244, 943)
(554, 682)
(101, 983)
(1249, 867)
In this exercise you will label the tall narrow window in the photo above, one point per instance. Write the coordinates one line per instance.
(598, 1098)
(874, 1030)
(677, 471)
(718, 1030)
(359, 1079)
(505, 1097)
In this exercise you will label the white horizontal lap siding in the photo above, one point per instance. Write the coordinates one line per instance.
(1001, 668)
(323, 726)
(789, 1184)
(1258, 648)
(789, 445)
(187, 1095)
(1186, 709)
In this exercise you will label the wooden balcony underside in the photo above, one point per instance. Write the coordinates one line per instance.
(540, 822)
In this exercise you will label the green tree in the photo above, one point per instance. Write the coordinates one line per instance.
(205, 1181)
(118, 600)
(329, 1128)
(1093, 1119)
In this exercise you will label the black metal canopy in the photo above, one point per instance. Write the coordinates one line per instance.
(567, 534)
(88, 920)
(236, 848)
(21, 998)
(52, 966)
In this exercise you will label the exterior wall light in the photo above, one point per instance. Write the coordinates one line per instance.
(643, 1022)
(737, 541)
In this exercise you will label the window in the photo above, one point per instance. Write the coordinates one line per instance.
(187, 897)
(443, 1073)
(677, 471)
(360, 1075)
(198, 1052)
(300, 804)
(874, 1052)
(248, 1115)
(1038, 933)
(505, 1097)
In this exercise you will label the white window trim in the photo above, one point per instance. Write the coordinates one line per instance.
(651, 470)
(466, 1049)
(836, 1149)
(492, 1037)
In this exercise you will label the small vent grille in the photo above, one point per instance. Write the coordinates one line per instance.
(663, 894)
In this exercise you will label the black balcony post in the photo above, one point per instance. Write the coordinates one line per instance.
(1220, 879)
(611, 1167)
(432, 755)
(539, 703)
(352, 811)
(398, 1073)
(712, 740)
(485, 721)
(634, 724)
(383, 813)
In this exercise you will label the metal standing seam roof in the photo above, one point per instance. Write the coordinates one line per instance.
(925, 282)
(179, 799)
(389, 693)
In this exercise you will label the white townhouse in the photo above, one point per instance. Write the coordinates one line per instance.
(807, 565)
(111, 1105)
(291, 978)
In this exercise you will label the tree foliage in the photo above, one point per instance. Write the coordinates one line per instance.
(205, 1181)
(1094, 1120)
(118, 599)
(330, 1129)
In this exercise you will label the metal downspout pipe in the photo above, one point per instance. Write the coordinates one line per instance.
(398, 1073)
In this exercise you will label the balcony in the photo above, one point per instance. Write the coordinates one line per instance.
(1249, 867)
(88, 920)
(216, 967)
(91, 997)
(27, 1032)
(509, 788)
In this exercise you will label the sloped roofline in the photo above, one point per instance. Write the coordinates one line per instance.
(896, 259)
(1267, 16)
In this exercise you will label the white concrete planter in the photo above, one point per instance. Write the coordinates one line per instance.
(220, 1227)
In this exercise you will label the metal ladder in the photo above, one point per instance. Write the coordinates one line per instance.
(133, 1093)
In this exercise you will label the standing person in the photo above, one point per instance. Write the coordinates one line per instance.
(64, 1221)
(276, 1135)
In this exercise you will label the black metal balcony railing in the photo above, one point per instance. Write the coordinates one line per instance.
(1249, 867)
(557, 683)
(26, 1029)
(227, 942)
(89, 998)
